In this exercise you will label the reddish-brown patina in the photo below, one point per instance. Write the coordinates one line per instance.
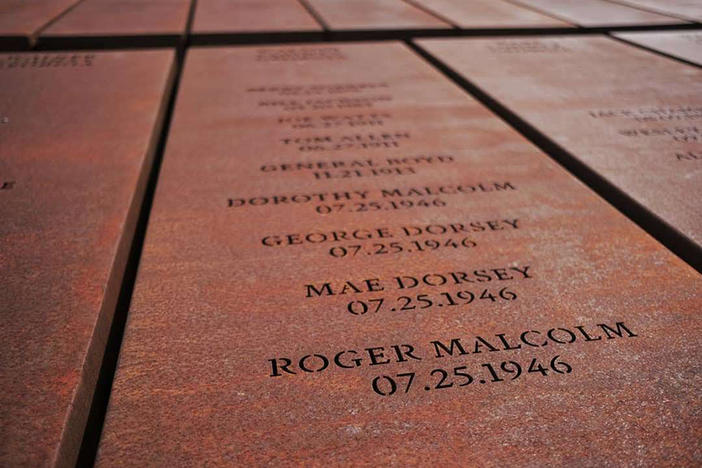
(106, 18)
(247, 342)
(374, 14)
(247, 16)
(686, 45)
(636, 125)
(77, 134)
(594, 13)
(489, 14)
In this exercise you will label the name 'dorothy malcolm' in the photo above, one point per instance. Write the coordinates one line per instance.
(301, 198)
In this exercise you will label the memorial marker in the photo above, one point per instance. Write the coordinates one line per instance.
(221, 18)
(21, 20)
(346, 15)
(681, 44)
(628, 117)
(77, 134)
(598, 13)
(350, 261)
(687, 9)
(486, 14)
(100, 22)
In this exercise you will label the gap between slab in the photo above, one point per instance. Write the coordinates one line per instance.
(652, 50)
(681, 246)
(9, 44)
(98, 408)
(674, 241)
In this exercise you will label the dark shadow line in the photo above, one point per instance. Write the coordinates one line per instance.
(185, 40)
(255, 38)
(676, 242)
(56, 43)
(36, 34)
(408, 34)
(119, 41)
(655, 51)
(98, 409)
(432, 13)
(15, 43)
(650, 10)
(534, 9)
(315, 14)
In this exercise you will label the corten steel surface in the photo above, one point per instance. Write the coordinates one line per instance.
(249, 16)
(489, 14)
(594, 13)
(122, 19)
(687, 9)
(219, 293)
(374, 14)
(627, 114)
(21, 20)
(77, 133)
(684, 45)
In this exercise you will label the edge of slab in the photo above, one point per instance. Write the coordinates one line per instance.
(672, 239)
(48, 42)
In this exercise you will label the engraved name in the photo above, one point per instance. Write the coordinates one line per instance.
(47, 61)
(379, 355)
(299, 55)
(360, 195)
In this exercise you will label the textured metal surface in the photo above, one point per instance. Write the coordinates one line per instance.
(489, 14)
(374, 14)
(236, 16)
(227, 267)
(76, 136)
(684, 45)
(688, 9)
(22, 19)
(629, 115)
(593, 13)
(123, 18)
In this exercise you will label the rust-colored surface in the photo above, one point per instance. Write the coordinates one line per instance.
(237, 16)
(22, 19)
(76, 136)
(123, 18)
(227, 268)
(686, 45)
(374, 14)
(687, 9)
(489, 14)
(636, 125)
(595, 13)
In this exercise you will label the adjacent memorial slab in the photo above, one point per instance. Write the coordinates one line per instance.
(21, 20)
(77, 133)
(346, 15)
(489, 14)
(630, 117)
(683, 45)
(351, 262)
(120, 22)
(221, 18)
(687, 9)
(597, 13)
